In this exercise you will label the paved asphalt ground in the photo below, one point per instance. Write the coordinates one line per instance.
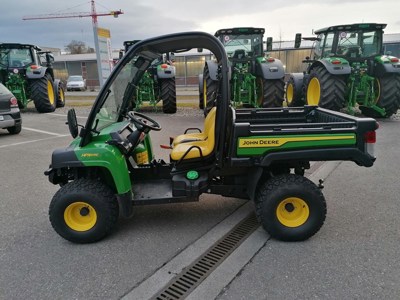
(354, 256)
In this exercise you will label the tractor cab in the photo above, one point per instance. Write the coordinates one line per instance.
(355, 42)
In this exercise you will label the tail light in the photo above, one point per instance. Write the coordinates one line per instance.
(13, 102)
(164, 66)
(394, 60)
(370, 140)
(336, 62)
(270, 59)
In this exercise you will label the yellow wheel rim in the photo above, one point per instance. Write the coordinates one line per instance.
(377, 90)
(80, 216)
(292, 212)
(50, 91)
(289, 93)
(205, 93)
(313, 92)
(61, 96)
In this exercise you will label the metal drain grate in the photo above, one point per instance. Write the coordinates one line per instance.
(186, 281)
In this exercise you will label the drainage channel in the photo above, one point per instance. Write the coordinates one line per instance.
(191, 277)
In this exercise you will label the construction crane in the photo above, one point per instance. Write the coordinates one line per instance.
(93, 14)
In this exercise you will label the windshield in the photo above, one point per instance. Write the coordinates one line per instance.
(75, 78)
(15, 57)
(250, 43)
(359, 44)
(122, 90)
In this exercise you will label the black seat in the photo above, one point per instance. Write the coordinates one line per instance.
(239, 54)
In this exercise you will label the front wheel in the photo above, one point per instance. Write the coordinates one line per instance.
(290, 207)
(60, 93)
(84, 211)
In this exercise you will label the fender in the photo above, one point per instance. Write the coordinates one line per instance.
(269, 68)
(107, 157)
(168, 72)
(335, 69)
(36, 73)
(386, 64)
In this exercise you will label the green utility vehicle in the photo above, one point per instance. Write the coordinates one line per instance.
(256, 80)
(348, 69)
(28, 74)
(255, 153)
(158, 83)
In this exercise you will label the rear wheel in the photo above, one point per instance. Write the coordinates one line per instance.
(326, 90)
(60, 94)
(42, 94)
(84, 211)
(290, 207)
(168, 95)
(210, 88)
(272, 92)
(387, 91)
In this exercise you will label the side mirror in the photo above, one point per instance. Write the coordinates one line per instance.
(269, 43)
(297, 40)
(72, 123)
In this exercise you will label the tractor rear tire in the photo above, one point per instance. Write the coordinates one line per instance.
(273, 92)
(84, 211)
(388, 96)
(168, 95)
(210, 89)
(42, 94)
(60, 94)
(294, 94)
(326, 90)
(290, 207)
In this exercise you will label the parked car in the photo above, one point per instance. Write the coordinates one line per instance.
(10, 116)
(76, 82)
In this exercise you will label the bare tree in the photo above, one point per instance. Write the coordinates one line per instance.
(78, 47)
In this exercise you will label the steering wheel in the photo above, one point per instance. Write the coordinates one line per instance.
(141, 121)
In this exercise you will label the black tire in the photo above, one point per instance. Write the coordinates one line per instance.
(273, 92)
(388, 96)
(60, 94)
(294, 94)
(290, 207)
(210, 89)
(325, 90)
(84, 211)
(42, 94)
(15, 129)
(168, 95)
(201, 101)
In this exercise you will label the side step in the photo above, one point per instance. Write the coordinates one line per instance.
(157, 191)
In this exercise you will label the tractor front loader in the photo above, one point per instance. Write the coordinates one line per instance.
(348, 69)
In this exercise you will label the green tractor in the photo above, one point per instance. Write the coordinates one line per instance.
(256, 80)
(28, 74)
(158, 83)
(348, 69)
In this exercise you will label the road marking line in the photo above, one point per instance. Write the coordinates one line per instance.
(33, 141)
(61, 115)
(42, 131)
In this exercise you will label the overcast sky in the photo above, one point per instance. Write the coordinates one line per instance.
(149, 18)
